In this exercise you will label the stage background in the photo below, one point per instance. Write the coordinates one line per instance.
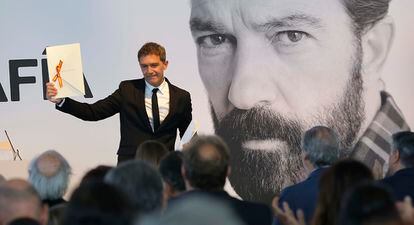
(110, 33)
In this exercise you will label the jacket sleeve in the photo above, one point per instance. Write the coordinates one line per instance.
(99, 110)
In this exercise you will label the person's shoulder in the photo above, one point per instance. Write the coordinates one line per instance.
(296, 188)
(131, 83)
(390, 180)
(249, 204)
(401, 175)
(177, 89)
(260, 212)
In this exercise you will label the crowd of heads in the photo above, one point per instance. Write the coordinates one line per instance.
(142, 191)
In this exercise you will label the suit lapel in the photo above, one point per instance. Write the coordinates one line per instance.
(140, 100)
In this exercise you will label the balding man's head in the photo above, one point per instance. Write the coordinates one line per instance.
(206, 163)
(18, 199)
(49, 174)
(321, 146)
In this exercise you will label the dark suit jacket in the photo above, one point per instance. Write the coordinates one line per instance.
(249, 212)
(303, 195)
(129, 102)
(401, 183)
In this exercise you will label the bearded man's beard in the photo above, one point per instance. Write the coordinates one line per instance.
(259, 175)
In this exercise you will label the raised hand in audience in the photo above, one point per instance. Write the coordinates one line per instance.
(406, 211)
(286, 216)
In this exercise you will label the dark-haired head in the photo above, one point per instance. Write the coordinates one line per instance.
(98, 203)
(369, 204)
(339, 178)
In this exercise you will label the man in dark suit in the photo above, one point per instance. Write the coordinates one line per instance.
(150, 108)
(401, 166)
(320, 149)
(205, 169)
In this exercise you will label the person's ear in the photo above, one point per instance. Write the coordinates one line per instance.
(394, 156)
(165, 64)
(304, 156)
(376, 44)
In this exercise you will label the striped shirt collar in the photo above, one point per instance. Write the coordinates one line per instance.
(374, 147)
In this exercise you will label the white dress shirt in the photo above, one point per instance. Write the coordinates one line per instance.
(163, 95)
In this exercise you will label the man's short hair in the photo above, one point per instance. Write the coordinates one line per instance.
(152, 48)
(403, 142)
(365, 13)
(170, 169)
(206, 161)
(151, 151)
(141, 182)
(49, 174)
(321, 145)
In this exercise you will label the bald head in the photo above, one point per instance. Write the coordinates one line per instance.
(49, 164)
(49, 175)
(19, 199)
(206, 163)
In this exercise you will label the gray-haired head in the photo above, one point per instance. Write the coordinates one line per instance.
(403, 142)
(49, 174)
(321, 146)
(141, 182)
(199, 210)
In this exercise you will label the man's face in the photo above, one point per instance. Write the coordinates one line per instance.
(273, 69)
(153, 69)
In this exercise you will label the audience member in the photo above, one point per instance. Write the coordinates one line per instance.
(141, 182)
(206, 166)
(369, 204)
(401, 165)
(98, 203)
(170, 169)
(49, 174)
(96, 174)
(334, 182)
(320, 149)
(18, 199)
(152, 152)
(339, 178)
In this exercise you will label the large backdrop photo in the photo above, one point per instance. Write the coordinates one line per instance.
(259, 73)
